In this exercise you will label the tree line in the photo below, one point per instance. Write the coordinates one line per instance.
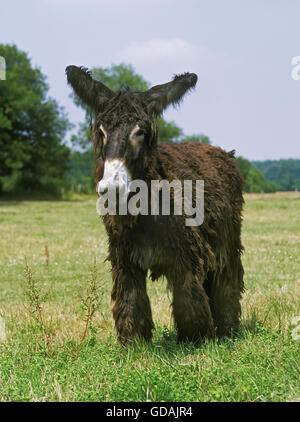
(285, 174)
(34, 155)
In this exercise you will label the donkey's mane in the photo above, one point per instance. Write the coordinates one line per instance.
(123, 105)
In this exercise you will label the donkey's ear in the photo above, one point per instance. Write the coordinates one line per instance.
(92, 93)
(160, 96)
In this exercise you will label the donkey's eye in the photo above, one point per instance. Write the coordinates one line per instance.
(136, 136)
(140, 132)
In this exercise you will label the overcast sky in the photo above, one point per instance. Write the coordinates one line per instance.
(245, 98)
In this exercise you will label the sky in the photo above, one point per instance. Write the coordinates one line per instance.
(245, 99)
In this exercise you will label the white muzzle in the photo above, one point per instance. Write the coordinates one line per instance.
(115, 176)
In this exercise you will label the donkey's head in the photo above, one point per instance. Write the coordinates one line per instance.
(124, 132)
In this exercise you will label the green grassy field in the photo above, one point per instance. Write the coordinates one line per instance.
(260, 364)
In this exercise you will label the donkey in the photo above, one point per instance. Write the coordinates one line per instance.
(202, 264)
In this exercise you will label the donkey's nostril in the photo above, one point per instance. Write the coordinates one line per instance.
(102, 187)
(103, 191)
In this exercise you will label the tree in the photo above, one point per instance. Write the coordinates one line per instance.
(168, 132)
(243, 165)
(254, 179)
(32, 127)
(119, 76)
(200, 139)
(80, 171)
(285, 173)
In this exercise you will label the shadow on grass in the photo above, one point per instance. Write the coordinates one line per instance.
(164, 345)
(165, 342)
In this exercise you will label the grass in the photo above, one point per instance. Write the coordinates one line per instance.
(61, 240)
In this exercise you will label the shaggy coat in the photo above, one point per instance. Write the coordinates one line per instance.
(202, 264)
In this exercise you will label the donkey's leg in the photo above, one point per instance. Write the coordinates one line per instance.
(191, 310)
(225, 291)
(131, 311)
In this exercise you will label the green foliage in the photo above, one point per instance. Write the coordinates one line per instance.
(32, 126)
(200, 139)
(284, 173)
(119, 76)
(82, 138)
(81, 169)
(168, 132)
(254, 179)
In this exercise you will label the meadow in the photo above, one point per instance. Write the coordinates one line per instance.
(61, 239)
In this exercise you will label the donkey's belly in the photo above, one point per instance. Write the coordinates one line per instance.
(148, 256)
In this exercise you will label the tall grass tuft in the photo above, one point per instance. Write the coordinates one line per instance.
(90, 302)
(36, 297)
(47, 256)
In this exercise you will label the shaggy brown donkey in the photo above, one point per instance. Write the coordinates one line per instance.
(201, 263)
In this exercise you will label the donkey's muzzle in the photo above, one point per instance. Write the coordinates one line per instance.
(115, 181)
